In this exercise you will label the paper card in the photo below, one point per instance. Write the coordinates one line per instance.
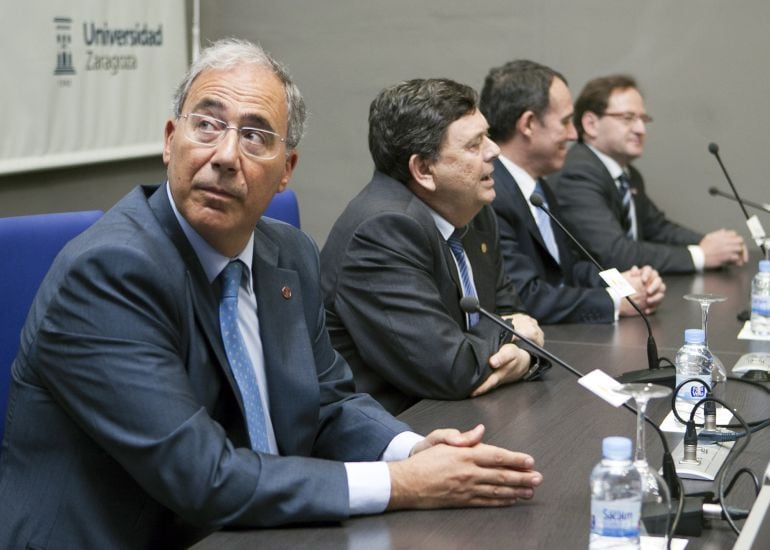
(659, 543)
(602, 384)
(747, 334)
(756, 229)
(617, 282)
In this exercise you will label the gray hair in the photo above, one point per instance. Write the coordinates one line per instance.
(231, 52)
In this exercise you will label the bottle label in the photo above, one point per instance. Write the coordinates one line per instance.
(615, 518)
(693, 391)
(760, 305)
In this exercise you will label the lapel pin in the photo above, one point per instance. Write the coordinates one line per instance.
(483, 248)
(286, 292)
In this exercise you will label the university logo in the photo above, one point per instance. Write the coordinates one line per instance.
(63, 27)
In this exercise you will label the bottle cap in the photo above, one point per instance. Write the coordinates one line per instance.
(616, 448)
(694, 336)
(764, 265)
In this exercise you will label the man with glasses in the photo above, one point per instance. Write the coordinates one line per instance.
(602, 196)
(175, 374)
(418, 238)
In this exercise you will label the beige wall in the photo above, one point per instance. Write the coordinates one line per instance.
(702, 65)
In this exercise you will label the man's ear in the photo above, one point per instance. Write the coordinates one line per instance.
(168, 136)
(422, 172)
(525, 123)
(590, 122)
(288, 169)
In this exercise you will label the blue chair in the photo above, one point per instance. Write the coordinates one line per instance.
(28, 245)
(284, 207)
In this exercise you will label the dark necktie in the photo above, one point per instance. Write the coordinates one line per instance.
(240, 364)
(544, 224)
(456, 246)
(624, 191)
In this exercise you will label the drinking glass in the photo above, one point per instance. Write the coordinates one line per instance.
(718, 370)
(656, 499)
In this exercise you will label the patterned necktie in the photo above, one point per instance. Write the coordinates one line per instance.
(624, 191)
(544, 224)
(456, 246)
(240, 364)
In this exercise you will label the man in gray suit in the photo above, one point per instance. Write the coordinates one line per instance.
(418, 238)
(175, 374)
(602, 195)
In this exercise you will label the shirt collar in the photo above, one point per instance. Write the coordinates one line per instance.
(610, 163)
(522, 178)
(212, 261)
(444, 227)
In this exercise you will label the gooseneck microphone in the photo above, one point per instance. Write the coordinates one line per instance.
(470, 304)
(714, 150)
(764, 207)
(654, 372)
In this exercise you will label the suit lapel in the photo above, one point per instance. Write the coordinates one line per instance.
(204, 295)
(520, 205)
(288, 357)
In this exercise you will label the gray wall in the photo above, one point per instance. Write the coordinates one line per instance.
(702, 65)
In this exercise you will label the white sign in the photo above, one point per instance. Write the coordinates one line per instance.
(87, 80)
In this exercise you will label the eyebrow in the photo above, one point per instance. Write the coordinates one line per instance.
(251, 120)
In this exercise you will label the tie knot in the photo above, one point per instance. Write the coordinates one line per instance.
(455, 240)
(231, 279)
(539, 191)
(625, 183)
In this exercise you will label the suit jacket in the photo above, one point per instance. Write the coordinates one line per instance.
(124, 425)
(565, 292)
(592, 209)
(392, 295)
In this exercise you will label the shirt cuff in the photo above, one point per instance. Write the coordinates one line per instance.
(369, 482)
(698, 257)
(616, 298)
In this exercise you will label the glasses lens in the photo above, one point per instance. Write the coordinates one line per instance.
(259, 143)
(204, 129)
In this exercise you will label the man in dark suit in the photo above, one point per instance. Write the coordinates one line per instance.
(529, 109)
(416, 239)
(175, 374)
(602, 196)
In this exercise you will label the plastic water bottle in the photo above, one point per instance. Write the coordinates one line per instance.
(760, 300)
(693, 360)
(616, 497)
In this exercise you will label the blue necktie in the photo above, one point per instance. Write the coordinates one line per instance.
(624, 190)
(544, 224)
(240, 364)
(456, 246)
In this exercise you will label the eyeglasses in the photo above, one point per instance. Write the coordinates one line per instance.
(254, 142)
(628, 118)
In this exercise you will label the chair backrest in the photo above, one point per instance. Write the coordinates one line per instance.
(28, 245)
(284, 207)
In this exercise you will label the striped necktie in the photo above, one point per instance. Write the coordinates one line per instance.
(544, 224)
(238, 357)
(456, 246)
(624, 191)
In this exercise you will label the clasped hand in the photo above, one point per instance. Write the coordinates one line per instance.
(451, 469)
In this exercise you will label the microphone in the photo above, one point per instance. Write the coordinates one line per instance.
(470, 304)
(654, 372)
(714, 150)
(765, 207)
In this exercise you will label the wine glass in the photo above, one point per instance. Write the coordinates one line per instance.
(718, 370)
(656, 499)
